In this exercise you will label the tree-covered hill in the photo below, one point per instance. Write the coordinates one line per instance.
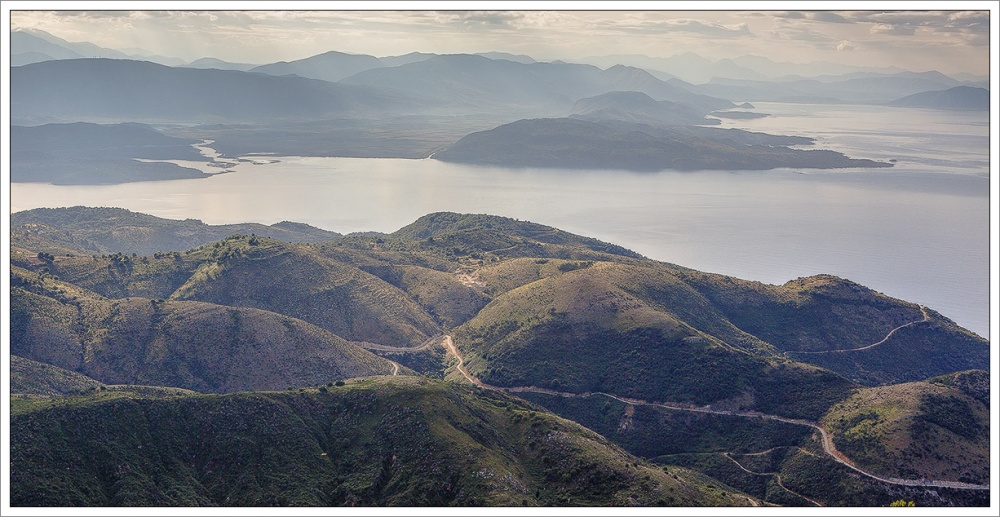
(703, 365)
(90, 230)
(375, 442)
(193, 345)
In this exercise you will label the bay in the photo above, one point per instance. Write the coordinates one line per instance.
(918, 231)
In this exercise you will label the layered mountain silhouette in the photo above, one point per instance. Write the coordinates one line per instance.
(961, 98)
(124, 90)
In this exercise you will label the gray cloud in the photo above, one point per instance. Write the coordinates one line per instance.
(487, 18)
(93, 14)
(693, 26)
(944, 21)
(819, 16)
(894, 30)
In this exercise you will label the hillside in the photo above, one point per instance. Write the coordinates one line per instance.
(404, 442)
(35, 378)
(633, 332)
(296, 281)
(192, 345)
(582, 144)
(446, 270)
(688, 368)
(915, 430)
(961, 98)
(799, 318)
(116, 230)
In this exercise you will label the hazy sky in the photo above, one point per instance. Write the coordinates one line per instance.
(948, 41)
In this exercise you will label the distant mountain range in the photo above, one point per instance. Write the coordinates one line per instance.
(461, 107)
(692, 370)
(29, 46)
(961, 98)
(628, 106)
(480, 81)
(124, 90)
(32, 46)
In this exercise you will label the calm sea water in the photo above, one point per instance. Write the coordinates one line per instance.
(918, 231)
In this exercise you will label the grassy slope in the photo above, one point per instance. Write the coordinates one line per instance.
(193, 345)
(394, 442)
(823, 312)
(297, 281)
(35, 378)
(603, 328)
(630, 326)
(915, 430)
(116, 230)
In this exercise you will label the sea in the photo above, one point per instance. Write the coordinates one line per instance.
(919, 231)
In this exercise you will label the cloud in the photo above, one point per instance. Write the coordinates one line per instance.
(800, 34)
(93, 14)
(488, 18)
(702, 27)
(934, 21)
(845, 46)
(893, 30)
(817, 16)
(826, 16)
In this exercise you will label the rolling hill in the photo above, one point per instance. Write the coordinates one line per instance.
(370, 442)
(191, 345)
(687, 368)
(116, 230)
(917, 430)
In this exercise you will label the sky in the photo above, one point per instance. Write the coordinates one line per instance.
(950, 41)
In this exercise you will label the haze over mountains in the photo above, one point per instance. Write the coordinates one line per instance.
(463, 359)
(420, 104)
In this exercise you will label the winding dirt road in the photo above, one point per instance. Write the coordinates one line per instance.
(828, 446)
(777, 478)
(926, 317)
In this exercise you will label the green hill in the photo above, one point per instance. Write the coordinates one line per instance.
(531, 305)
(614, 328)
(35, 378)
(821, 319)
(194, 345)
(296, 281)
(116, 230)
(375, 442)
(916, 430)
